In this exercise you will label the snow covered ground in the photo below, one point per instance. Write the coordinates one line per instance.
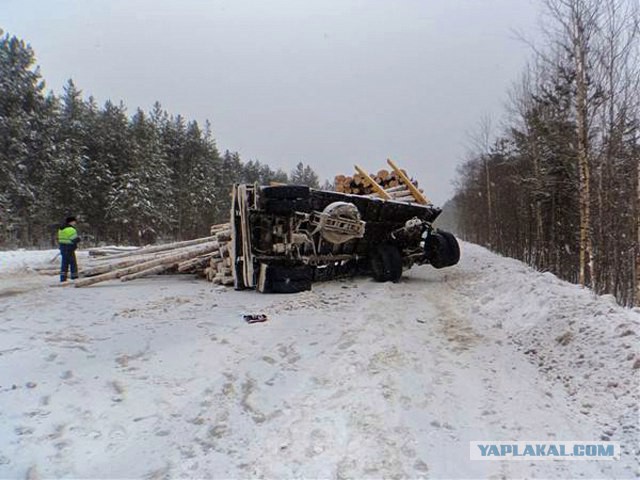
(162, 378)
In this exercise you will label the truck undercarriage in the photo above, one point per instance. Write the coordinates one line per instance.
(286, 237)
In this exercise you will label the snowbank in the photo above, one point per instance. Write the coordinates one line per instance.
(25, 260)
(586, 344)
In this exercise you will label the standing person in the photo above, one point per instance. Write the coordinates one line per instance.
(68, 242)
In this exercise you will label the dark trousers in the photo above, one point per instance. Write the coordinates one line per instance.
(68, 254)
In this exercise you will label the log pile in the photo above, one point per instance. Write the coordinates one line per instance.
(218, 267)
(355, 184)
(393, 184)
(196, 256)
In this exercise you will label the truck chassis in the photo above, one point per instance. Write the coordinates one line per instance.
(286, 237)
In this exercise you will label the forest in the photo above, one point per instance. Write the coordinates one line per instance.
(557, 185)
(129, 179)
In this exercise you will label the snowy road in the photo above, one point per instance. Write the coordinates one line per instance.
(162, 378)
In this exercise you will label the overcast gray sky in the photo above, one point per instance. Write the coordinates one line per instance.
(330, 83)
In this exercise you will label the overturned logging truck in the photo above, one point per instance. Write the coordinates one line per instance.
(282, 238)
(285, 237)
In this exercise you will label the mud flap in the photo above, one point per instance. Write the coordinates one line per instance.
(386, 263)
(284, 279)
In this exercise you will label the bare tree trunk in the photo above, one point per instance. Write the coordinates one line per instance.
(637, 249)
(489, 205)
(580, 46)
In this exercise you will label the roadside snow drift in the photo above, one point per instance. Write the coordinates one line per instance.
(162, 378)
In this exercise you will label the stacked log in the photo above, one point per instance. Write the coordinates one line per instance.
(357, 185)
(112, 250)
(219, 270)
(190, 256)
(389, 185)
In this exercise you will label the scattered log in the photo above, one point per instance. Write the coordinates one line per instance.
(223, 236)
(112, 250)
(165, 260)
(148, 271)
(109, 267)
(201, 261)
(163, 247)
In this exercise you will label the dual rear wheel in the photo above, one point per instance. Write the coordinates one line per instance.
(442, 249)
(386, 263)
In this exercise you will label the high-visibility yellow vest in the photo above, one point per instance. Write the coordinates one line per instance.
(67, 235)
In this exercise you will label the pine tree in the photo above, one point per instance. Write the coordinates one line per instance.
(24, 145)
(304, 175)
(115, 162)
(142, 197)
(63, 182)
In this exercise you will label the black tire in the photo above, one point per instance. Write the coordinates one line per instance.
(386, 263)
(284, 206)
(286, 192)
(285, 199)
(442, 249)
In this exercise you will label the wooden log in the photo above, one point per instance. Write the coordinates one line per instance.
(47, 270)
(201, 262)
(383, 174)
(223, 236)
(220, 226)
(172, 259)
(397, 188)
(209, 273)
(111, 266)
(148, 272)
(162, 248)
(420, 198)
(401, 193)
(113, 250)
(377, 188)
(406, 198)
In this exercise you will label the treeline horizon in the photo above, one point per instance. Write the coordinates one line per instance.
(129, 179)
(558, 186)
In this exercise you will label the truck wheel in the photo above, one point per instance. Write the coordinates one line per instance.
(286, 206)
(386, 263)
(442, 249)
(285, 192)
(285, 199)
